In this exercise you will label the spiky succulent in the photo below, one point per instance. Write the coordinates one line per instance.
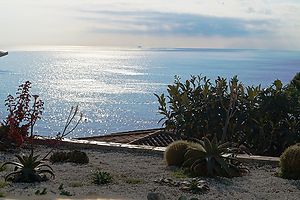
(29, 169)
(101, 177)
(213, 159)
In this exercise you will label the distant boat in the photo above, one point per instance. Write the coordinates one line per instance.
(3, 53)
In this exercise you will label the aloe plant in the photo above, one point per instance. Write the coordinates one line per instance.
(213, 159)
(101, 177)
(29, 169)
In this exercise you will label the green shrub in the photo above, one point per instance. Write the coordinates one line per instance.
(290, 162)
(101, 177)
(266, 121)
(174, 153)
(75, 156)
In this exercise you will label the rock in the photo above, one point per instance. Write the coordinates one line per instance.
(155, 196)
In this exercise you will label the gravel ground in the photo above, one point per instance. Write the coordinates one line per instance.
(129, 167)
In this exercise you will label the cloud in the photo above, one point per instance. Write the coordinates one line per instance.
(161, 23)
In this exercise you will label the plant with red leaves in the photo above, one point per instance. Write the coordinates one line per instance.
(21, 116)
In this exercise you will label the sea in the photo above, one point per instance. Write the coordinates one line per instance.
(114, 87)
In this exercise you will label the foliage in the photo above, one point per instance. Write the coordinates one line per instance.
(290, 162)
(71, 117)
(75, 156)
(101, 177)
(195, 185)
(22, 116)
(174, 153)
(197, 107)
(213, 159)
(264, 120)
(29, 169)
(272, 121)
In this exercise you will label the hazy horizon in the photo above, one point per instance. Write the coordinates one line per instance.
(125, 48)
(257, 24)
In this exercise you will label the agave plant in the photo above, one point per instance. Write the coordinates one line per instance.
(210, 158)
(29, 169)
(101, 177)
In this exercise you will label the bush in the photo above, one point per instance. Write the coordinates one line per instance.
(21, 117)
(264, 120)
(75, 156)
(290, 162)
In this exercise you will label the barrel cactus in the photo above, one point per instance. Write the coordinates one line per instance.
(78, 157)
(174, 154)
(75, 156)
(59, 156)
(290, 162)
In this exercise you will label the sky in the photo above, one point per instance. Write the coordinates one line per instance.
(268, 24)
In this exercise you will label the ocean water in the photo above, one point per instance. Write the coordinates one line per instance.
(114, 87)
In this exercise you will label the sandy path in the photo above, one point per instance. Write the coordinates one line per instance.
(125, 167)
